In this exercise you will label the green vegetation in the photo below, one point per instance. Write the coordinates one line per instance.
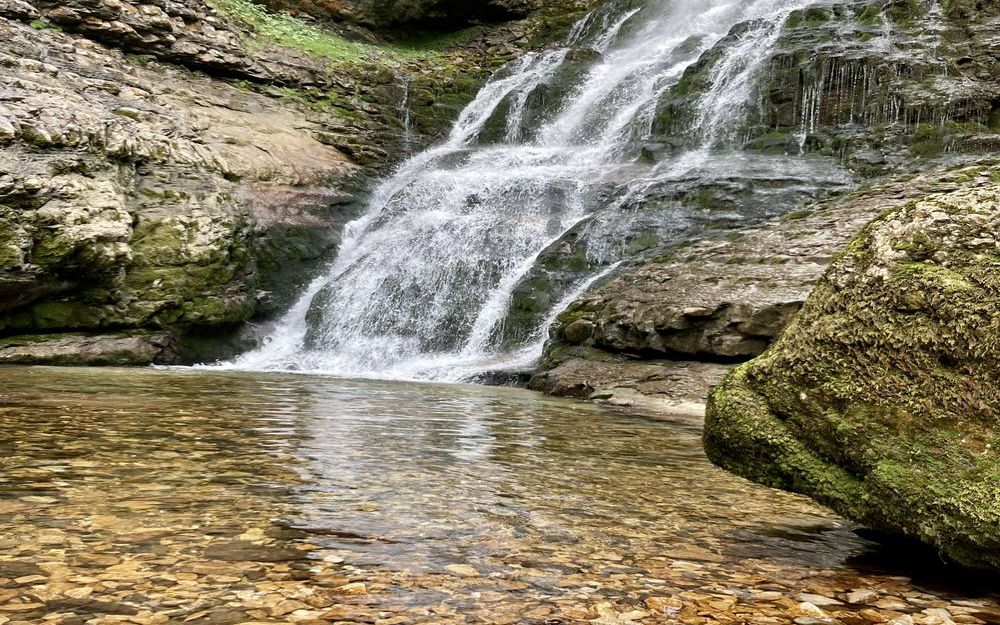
(870, 15)
(43, 24)
(424, 43)
(286, 30)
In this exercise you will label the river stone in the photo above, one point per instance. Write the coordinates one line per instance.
(818, 600)
(90, 606)
(862, 596)
(245, 551)
(880, 399)
(18, 568)
(815, 620)
(462, 570)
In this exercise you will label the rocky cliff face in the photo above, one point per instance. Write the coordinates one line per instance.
(876, 88)
(146, 196)
(179, 169)
(880, 398)
(872, 83)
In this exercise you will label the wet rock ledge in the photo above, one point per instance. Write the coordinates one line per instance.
(693, 312)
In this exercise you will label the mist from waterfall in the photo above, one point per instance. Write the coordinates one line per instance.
(422, 284)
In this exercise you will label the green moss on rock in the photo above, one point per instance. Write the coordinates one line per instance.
(880, 399)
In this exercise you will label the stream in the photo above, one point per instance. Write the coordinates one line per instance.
(222, 498)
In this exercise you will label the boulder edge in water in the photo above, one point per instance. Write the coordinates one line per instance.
(880, 399)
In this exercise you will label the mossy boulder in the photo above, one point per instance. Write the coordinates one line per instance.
(879, 400)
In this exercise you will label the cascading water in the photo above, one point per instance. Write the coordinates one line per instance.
(422, 285)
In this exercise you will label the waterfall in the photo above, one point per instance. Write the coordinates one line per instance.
(422, 285)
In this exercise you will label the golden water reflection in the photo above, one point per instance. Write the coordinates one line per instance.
(180, 496)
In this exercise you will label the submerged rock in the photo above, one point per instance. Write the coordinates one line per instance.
(880, 399)
(653, 386)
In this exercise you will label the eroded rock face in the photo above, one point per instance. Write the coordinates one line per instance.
(876, 84)
(880, 399)
(138, 196)
(178, 30)
(721, 298)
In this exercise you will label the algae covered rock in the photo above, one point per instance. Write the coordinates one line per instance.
(880, 399)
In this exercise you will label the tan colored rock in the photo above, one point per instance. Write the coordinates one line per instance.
(818, 600)
(862, 596)
(809, 609)
(354, 588)
(81, 349)
(462, 570)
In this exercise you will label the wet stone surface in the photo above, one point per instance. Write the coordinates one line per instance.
(168, 497)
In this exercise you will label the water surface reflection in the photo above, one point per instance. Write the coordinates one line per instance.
(220, 498)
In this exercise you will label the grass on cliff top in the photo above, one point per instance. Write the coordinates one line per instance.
(289, 31)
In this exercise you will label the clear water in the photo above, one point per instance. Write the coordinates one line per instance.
(216, 498)
(422, 285)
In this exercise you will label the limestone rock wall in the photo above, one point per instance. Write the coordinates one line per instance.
(173, 170)
(135, 196)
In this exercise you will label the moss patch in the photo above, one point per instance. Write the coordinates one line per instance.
(879, 400)
(290, 31)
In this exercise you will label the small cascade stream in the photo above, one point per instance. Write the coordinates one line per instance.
(422, 287)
